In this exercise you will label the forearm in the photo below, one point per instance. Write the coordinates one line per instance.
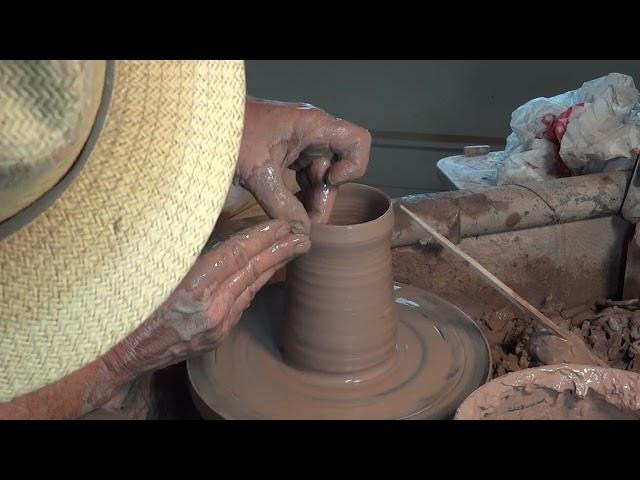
(74, 396)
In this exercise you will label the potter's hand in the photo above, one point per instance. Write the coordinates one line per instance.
(324, 151)
(209, 301)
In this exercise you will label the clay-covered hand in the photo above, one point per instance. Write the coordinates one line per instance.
(323, 150)
(209, 301)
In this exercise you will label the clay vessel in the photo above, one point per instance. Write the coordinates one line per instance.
(339, 304)
(556, 392)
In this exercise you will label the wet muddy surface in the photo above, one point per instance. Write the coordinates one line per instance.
(611, 331)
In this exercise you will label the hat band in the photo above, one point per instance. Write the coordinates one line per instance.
(31, 212)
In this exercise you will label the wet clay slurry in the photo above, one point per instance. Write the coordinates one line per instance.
(343, 341)
(339, 311)
(556, 392)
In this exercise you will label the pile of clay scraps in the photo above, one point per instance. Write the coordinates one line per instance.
(610, 328)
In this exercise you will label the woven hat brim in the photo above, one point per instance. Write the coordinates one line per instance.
(88, 271)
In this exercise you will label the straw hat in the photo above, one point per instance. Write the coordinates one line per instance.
(112, 175)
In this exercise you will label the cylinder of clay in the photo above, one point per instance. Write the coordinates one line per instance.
(339, 308)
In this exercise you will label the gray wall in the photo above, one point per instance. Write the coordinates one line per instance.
(421, 111)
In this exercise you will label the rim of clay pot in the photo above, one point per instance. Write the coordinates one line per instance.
(618, 388)
(376, 211)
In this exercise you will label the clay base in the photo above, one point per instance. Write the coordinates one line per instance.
(441, 357)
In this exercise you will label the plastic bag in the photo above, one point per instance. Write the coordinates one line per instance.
(604, 129)
(593, 129)
(534, 161)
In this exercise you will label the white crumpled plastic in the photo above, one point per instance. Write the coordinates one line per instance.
(603, 135)
(529, 162)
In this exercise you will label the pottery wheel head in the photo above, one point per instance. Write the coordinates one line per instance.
(441, 357)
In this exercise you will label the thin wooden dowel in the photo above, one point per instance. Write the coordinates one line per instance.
(498, 285)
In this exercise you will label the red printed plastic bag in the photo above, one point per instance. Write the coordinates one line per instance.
(595, 128)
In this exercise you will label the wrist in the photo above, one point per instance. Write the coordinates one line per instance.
(71, 397)
(106, 385)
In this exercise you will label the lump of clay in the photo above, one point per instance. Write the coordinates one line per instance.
(549, 349)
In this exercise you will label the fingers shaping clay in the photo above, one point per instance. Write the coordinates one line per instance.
(342, 340)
